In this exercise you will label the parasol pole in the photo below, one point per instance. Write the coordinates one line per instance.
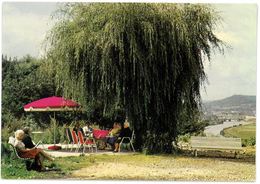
(54, 129)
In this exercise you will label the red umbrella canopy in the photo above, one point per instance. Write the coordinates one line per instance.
(53, 103)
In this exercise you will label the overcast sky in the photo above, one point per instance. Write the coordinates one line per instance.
(24, 26)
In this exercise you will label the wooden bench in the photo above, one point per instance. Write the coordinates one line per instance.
(215, 143)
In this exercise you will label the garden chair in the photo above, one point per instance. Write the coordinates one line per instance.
(130, 144)
(87, 143)
(11, 143)
(28, 161)
(69, 137)
(75, 141)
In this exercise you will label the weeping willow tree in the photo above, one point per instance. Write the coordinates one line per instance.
(146, 59)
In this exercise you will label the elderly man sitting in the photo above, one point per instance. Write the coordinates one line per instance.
(126, 132)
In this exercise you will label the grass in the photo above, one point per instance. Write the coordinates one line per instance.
(137, 167)
(243, 132)
(247, 133)
(16, 169)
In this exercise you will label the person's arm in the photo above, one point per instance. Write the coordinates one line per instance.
(19, 147)
(26, 149)
(122, 134)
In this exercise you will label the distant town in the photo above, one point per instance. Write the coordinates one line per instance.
(234, 108)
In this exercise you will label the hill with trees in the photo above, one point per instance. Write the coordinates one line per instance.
(237, 103)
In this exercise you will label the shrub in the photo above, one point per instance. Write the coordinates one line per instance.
(6, 152)
(184, 138)
(251, 141)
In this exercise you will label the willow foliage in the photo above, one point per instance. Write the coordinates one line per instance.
(146, 59)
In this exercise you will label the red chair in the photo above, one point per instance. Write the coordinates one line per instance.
(69, 138)
(87, 143)
(75, 141)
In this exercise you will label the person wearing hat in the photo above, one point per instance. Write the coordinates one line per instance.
(27, 140)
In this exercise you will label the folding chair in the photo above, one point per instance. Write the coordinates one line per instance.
(87, 143)
(131, 139)
(69, 137)
(75, 141)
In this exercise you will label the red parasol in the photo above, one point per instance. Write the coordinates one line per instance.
(53, 103)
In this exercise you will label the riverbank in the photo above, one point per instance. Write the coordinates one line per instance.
(215, 130)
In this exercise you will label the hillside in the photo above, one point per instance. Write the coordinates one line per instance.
(238, 103)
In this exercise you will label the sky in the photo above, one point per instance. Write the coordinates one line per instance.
(25, 24)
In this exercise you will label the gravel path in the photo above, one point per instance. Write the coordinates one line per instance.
(178, 169)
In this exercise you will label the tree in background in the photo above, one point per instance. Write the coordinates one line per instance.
(145, 59)
(21, 84)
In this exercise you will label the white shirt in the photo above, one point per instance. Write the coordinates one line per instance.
(19, 144)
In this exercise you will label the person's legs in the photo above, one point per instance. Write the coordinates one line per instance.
(46, 155)
(111, 141)
(116, 147)
(38, 162)
(118, 140)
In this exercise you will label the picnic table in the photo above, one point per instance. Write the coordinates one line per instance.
(100, 136)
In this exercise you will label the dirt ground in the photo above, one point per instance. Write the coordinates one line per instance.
(169, 168)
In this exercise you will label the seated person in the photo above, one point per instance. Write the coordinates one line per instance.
(88, 130)
(27, 140)
(113, 134)
(115, 131)
(36, 153)
(126, 132)
(78, 128)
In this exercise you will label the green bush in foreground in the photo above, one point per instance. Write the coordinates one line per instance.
(249, 142)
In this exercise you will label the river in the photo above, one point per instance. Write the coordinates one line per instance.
(214, 130)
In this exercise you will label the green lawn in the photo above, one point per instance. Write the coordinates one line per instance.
(247, 133)
(243, 132)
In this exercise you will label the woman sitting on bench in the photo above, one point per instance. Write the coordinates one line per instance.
(35, 153)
